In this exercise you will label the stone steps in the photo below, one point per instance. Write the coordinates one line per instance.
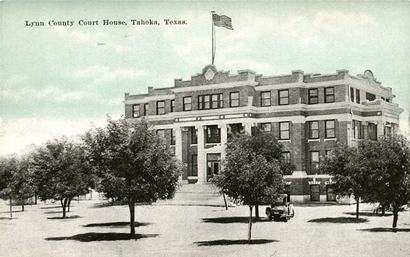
(196, 195)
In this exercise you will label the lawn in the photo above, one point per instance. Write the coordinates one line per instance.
(163, 230)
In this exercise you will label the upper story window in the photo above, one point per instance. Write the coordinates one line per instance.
(314, 129)
(358, 96)
(217, 101)
(352, 94)
(187, 101)
(146, 109)
(284, 130)
(283, 97)
(266, 127)
(313, 94)
(173, 105)
(160, 107)
(357, 129)
(330, 131)
(370, 97)
(314, 160)
(213, 101)
(265, 98)
(213, 134)
(135, 110)
(329, 95)
(234, 99)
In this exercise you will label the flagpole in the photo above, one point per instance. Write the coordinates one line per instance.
(213, 37)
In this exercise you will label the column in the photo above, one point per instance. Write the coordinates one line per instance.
(201, 155)
(248, 128)
(380, 128)
(178, 145)
(224, 139)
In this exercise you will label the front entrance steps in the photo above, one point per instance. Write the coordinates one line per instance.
(196, 195)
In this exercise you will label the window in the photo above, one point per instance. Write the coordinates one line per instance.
(160, 107)
(135, 110)
(266, 127)
(330, 129)
(187, 103)
(265, 98)
(314, 160)
(387, 131)
(283, 97)
(357, 129)
(161, 133)
(214, 101)
(372, 131)
(358, 96)
(236, 128)
(234, 99)
(286, 157)
(370, 97)
(146, 109)
(352, 94)
(194, 137)
(213, 134)
(314, 129)
(284, 130)
(313, 96)
(329, 95)
(173, 137)
(194, 165)
(172, 105)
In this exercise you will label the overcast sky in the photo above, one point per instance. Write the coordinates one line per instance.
(58, 80)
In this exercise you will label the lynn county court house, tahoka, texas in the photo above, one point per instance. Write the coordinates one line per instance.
(308, 113)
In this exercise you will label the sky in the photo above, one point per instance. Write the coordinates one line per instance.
(60, 80)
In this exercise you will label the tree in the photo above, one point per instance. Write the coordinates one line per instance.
(61, 171)
(344, 164)
(16, 180)
(7, 167)
(133, 163)
(387, 161)
(22, 181)
(251, 173)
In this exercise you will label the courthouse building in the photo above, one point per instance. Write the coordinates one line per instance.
(308, 113)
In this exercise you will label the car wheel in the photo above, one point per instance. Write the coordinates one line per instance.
(276, 217)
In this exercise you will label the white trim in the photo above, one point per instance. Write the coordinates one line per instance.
(340, 82)
(330, 139)
(214, 86)
(314, 140)
(284, 140)
(150, 98)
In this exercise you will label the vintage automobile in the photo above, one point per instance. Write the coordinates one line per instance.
(280, 209)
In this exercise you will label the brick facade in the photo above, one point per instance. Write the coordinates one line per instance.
(306, 183)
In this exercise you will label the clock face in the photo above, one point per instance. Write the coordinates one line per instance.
(209, 74)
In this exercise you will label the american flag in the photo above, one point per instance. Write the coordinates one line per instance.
(222, 21)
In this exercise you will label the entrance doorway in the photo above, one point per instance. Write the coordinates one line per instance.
(314, 193)
(330, 193)
(213, 165)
